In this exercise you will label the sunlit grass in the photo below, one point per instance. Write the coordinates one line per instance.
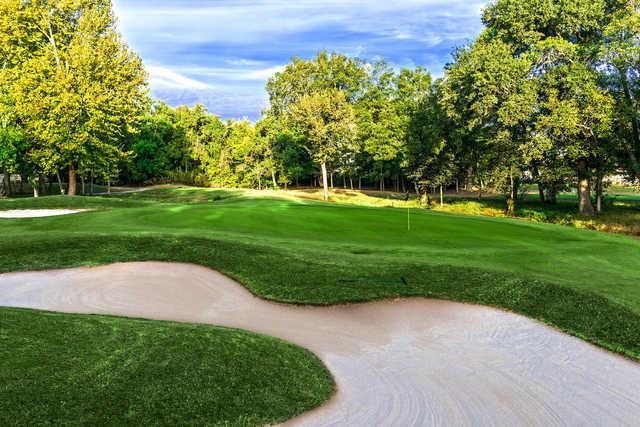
(300, 250)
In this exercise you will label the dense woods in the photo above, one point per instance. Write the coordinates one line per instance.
(547, 95)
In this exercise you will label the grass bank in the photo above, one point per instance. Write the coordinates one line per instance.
(95, 370)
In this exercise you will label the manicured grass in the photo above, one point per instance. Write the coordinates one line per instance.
(93, 370)
(301, 251)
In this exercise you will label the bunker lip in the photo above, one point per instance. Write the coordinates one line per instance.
(38, 213)
(404, 362)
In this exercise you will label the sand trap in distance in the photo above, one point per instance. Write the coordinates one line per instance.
(38, 213)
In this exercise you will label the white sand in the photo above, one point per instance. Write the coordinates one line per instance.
(38, 213)
(406, 363)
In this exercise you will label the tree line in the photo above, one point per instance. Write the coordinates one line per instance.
(547, 94)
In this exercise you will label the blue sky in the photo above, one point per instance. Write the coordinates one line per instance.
(221, 52)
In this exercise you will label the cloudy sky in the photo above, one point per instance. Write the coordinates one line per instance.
(221, 52)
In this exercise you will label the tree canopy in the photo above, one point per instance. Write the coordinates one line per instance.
(546, 95)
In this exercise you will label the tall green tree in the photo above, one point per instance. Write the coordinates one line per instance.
(573, 112)
(380, 122)
(576, 120)
(489, 93)
(620, 58)
(324, 72)
(431, 144)
(12, 141)
(82, 91)
(327, 121)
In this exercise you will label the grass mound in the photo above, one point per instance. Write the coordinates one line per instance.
(94, 370)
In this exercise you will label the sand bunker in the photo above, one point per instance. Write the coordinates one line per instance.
(408, 362)
(38, 213)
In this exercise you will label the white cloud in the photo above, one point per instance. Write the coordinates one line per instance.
(221, 52)
(238, 21)
(264, 74)
(165, 78)
(232, 73)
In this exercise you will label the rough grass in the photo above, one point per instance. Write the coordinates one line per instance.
(621, 214)
(305, 252)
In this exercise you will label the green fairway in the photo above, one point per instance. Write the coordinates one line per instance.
(308, 252)
(95, 370)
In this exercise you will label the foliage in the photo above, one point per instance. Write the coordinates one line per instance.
(78, 88)
(547, 94)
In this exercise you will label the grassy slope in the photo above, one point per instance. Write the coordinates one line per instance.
(290, 250)
(95, 370)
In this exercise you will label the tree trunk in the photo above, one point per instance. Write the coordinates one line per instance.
(60, 186)
(359, 183)
(536, 173)
(325, 184)
(109, 186)
(584, 189)
(541, 192)
(441, 195)
(457, 185)
(552, 194)
(470, 178)
(91, 185)
(7, 182)
(82, 183)
(332, 180)
(33, 182)
(599, 193)
(23, 178)
(351, 182)
(41, 184)
(273, 178)
(513, 195)
(72, 181)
